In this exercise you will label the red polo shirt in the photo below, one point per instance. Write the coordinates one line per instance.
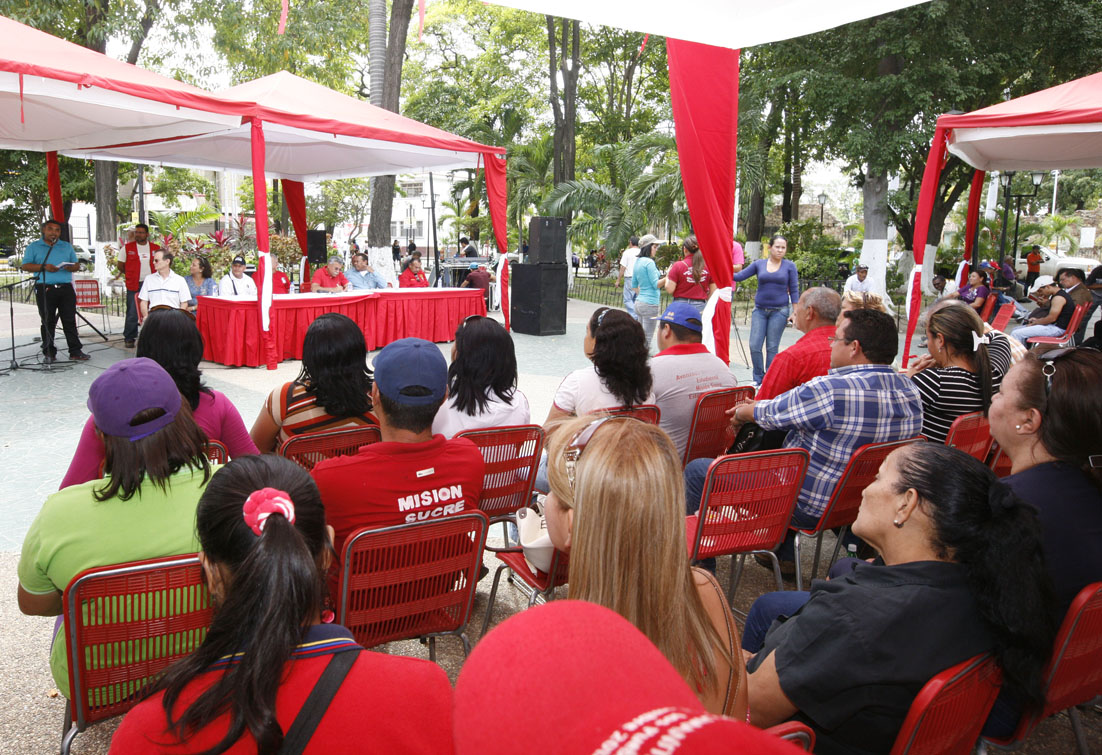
(322, 279)
(806, 359)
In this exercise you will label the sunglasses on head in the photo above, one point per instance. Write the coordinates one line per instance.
(574, 449)
(1048, 365)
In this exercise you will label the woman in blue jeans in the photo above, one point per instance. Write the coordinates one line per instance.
(778, 289)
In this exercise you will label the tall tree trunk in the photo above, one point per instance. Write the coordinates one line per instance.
(755, 220)
(564, 100)
(797, 167)
(874, 250)
(786, 190)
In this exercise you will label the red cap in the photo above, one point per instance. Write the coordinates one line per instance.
(572, 677)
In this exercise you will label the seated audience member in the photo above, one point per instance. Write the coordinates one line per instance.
(1071, 280)
(961, 575)
(852, 300)
(627, 549)
(963, 370)
(975, 292)
(201, 281)
(943, 286)
(482, 381)
(363, 276)
(409, 258)
(815, 315)
(163, 287)
(1047, 321)
(858, 282)
(330, 279)
(331, 392)
(265, 546)
(481, 278)
(144, 508)
(170, 338)
(614, 691)
(412, 475)
(468, 248)
(860, 400)
(683, 369)
(1003, 285)
(413, 276)
(236, 283)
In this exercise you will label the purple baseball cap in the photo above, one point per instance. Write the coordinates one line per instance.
(127, 388)
(408, 363)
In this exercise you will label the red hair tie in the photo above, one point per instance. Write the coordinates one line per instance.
(263, 503)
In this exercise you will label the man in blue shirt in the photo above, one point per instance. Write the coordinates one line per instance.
(361, 276)
(53, 262)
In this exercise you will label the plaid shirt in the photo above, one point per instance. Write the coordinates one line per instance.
(834, 415)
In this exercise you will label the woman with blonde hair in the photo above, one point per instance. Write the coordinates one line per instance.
(627, 550)
(852, 300)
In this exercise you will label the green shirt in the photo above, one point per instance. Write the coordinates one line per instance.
(74, 532)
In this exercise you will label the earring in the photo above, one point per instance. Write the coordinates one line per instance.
(898, 524)
(1017, 427)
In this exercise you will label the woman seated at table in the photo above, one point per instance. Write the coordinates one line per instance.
(169, 337)
(618, 507)
(332, 391)
(413, 276)
(330, 279)
(201, 281)
(963, 370)
(265, 546)
(962, 574)
(482, 381)
(156, 467)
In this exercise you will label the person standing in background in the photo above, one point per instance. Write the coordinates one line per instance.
(1032, 266)
(136, 266)
(778, 285)
(627, 267)
(54, 261)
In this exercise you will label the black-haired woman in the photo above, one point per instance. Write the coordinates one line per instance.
(975, 292)
(169, 337)
(265, 549)
(201, 282)
(331, 392)
(778, 291)
(687, 279)
(482, 381)
(962, 573)
(963, 370)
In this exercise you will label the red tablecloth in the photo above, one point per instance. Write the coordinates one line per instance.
(231, 331)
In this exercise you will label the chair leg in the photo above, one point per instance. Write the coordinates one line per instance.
(818, 552)
(837, 546)
(505, 533)
(799, 562)
(68, 731)
(1077, 727)
(432, 649)
(736, 575)
(490, 604)
(466, 644)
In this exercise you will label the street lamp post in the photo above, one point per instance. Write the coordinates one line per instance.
(822, 207)
(1007, 180)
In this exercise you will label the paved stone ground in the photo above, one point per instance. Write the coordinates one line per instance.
(40, 420)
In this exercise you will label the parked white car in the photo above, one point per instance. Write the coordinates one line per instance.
(1052, 261)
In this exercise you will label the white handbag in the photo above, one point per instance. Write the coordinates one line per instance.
(534, 539)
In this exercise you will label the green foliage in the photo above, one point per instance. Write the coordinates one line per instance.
(1056, 229)
(338, 201)
(666, 255)
(170, 184)
(816, 256)
(24, 194)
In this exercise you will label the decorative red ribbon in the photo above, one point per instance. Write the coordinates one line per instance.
(283, 17)
(420, 18)
(21, 118)
(644, 45)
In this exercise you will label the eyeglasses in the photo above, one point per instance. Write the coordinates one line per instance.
(573, 450)
(835, 339)
(1048, 365)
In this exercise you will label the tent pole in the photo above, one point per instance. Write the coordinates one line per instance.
(432, 219)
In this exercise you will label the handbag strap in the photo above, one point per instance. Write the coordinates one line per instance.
(313, 710)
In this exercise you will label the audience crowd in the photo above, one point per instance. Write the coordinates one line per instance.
(963, 562)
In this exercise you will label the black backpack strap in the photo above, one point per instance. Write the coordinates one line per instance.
(313, 710)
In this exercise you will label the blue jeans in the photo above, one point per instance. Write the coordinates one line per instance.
(629, 298)
(130, 327)
(766, 327)
(765, 611)
(1031, 331)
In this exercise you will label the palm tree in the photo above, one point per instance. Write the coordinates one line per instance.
(1057, 228)
(530, 169)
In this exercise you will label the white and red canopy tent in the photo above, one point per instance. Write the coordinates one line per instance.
(1055, 129)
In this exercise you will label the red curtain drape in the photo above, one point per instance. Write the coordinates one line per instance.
(294, 192)
(497, 194)
(704, 92)
(53, 184)
(974, 192)
(263, 269)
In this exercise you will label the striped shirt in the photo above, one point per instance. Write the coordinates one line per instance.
(297, 412)
(834, 415)
(948, 392)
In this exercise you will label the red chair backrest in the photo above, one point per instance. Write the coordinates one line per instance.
(748, 501)
(1074, 673)
(308, 449)
(1076, 318)
(797, 733)
(642, 412)
(512, 455)
(87, 292)
(710, 433)
(413, 579)
(947, 715)
(217, 453)
(1000, 463)
(988, 307)
(971, 433)
(841, 510)
(125, 624)
(1002, 319)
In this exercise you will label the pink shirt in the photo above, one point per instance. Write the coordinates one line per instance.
(216, 416)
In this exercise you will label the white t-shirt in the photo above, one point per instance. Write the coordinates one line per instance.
(679, 379)
(583, 392)
(158, 291)
(143, 255)
(243, 286)
(450, 421)
(627, 260)
(950, 287)
(860, 286)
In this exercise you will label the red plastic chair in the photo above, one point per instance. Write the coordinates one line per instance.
(88, 297)
(947, 715)
(642, 412)
(971, 433)
(512, 455)
(539, 584)
(124, 625)
(309, 449)
(710, 434)
(1002, 318)
(217, 453)
(795, 732)
(841, 509)
(746, 507)
(999, 462)
(988, 307)
(413, 580)
(1074, 672)
(1069, 334)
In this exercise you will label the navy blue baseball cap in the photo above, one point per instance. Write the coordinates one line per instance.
(411, 363)
(685, 315)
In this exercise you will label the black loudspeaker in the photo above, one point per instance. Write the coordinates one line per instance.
(547, 240)
(538, 299)
(315, 248)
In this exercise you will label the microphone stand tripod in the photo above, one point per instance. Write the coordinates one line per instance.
(14, 364)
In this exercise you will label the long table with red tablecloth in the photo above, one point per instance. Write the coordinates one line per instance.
(231, 331)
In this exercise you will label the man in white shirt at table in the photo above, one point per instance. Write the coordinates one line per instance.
(163, 287)
(235, 283)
